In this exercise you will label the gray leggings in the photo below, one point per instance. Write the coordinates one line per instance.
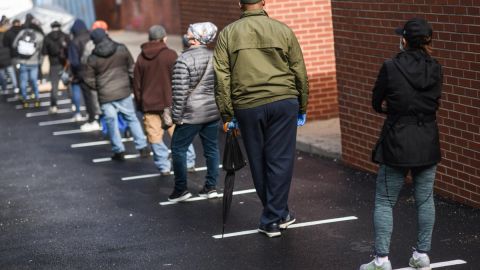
(389, 183)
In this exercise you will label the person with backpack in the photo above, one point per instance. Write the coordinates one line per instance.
(55, 46)
(109, 71)
(407, 90)
(194, 111)
(28, 45)
(152, 87)
(76, 47)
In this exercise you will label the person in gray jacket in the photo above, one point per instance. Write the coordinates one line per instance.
(194, 110)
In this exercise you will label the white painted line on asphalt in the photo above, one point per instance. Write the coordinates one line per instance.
(73, 131)
(45, 104)
(42, 95)
(105, 142)
(437, 265)
(144, 176)
(220, 195)
(132, 156)
(296, 225)
(59, 111)
(61, 121)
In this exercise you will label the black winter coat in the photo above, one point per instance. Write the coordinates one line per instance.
(110, 71)
(55, 46)
(5, 57)
(9, 37)
(411, 85)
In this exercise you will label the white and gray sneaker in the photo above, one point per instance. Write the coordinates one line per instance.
(373, 266)
(421, 263)
(90, 126)
(53, 110)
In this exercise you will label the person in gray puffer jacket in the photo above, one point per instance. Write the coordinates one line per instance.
(194, 110)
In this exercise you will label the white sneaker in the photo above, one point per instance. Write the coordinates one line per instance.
(92, 126)
(77, 117)
(74, 108)
(53, 110)
(16, 90)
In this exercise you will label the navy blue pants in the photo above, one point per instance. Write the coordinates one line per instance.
(269, 133)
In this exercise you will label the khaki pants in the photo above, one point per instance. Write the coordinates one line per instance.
(153, 127)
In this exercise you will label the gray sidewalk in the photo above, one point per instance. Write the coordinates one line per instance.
(319, 137)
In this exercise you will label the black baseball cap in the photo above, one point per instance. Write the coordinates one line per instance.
(415, 27)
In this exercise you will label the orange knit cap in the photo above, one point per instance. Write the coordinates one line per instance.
(100, 24)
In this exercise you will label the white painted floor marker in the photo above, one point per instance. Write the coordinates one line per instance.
(220, 195)
(295, 225)
(42, 95)
(439, 264)
(105, 142)
(145, 176)
(45, 104)
(44, 113)
(60, 121)
(132, 156)
(73, 131)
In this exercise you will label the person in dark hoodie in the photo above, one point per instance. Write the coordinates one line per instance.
(407, 90)
(75, 51)
(8, 39)
(6, 63)
(55, 46)
(152, 87)
(110, 72)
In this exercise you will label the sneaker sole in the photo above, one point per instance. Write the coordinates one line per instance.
(270, 234)
(209, 196)
(179, 199)
(285, 225)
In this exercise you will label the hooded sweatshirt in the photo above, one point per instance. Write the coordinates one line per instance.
(109, 71)
(152, 77)
(55, 46)
(75, 49)
(411, 85)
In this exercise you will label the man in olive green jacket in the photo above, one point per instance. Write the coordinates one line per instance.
(261, 81)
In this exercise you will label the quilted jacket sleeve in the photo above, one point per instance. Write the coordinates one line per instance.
(180, 88)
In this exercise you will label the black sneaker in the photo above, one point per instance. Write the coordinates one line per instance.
(178, 196)
(270, 230)
(144, 152)
(118, 156)
(208, 192)
(287, 221)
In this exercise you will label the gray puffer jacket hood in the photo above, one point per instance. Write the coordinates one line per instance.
(194, 104)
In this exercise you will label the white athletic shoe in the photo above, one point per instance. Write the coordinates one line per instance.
(92, 126)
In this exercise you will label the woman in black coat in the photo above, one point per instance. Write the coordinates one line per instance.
(407, 90)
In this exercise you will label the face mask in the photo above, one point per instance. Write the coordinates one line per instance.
(401, 44)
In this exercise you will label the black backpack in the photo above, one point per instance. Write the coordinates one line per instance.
(27, 44)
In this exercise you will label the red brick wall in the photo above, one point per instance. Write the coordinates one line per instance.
(311, 22)
(364, 39)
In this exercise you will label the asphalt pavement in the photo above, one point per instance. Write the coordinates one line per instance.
(60, 210)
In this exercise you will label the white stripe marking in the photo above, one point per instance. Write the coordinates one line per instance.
(100, 160)
(437, 265)
(13, 99)
(61, 121)
(143, 176)
(45, 104)
(73, 131)
(105, 142)
(220, 195)
(297, 225)
(43, 113)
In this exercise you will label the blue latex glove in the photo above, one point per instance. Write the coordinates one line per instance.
(301, 119)
(233, 124)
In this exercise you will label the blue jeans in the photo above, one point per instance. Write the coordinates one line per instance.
(76, 96)
(160, 156)
(389, 183)
(124, 106)
(28, 73)
(182, 138)
(10, 71)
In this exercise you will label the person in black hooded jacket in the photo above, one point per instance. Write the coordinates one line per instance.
(55, 46)
(407, 90)
(109, 71)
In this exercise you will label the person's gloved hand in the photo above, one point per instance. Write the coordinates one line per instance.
(301, 119)
(231, 125)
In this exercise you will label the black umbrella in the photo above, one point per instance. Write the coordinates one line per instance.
(232, 161)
